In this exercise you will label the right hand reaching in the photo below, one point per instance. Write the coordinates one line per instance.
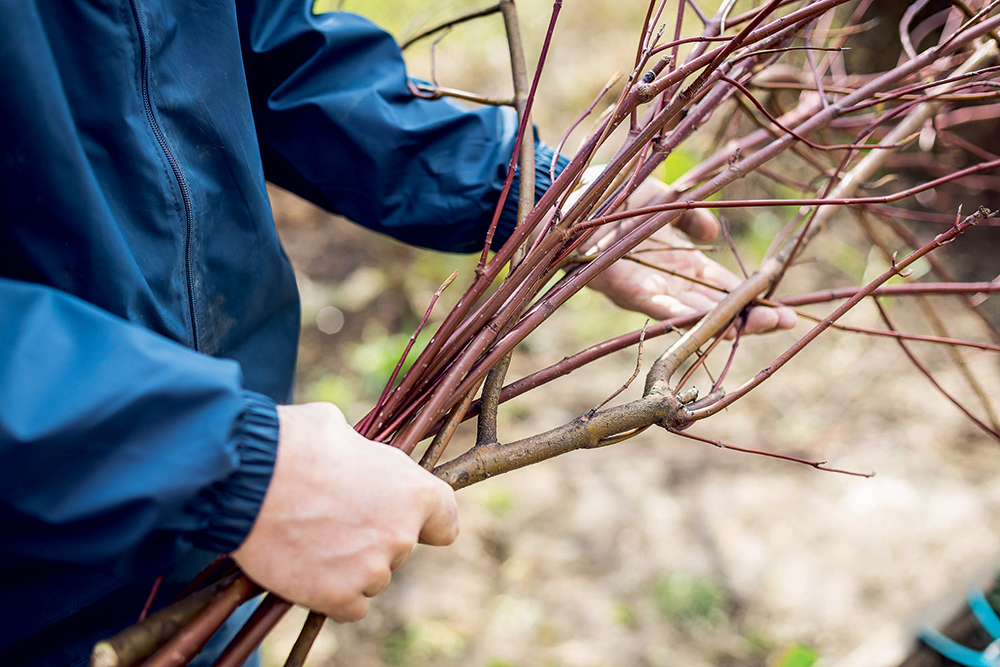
(340, 514)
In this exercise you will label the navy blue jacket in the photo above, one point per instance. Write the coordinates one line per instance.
(148, 316)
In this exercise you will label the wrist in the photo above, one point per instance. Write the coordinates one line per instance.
(231, 505)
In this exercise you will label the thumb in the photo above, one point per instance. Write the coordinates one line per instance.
(441, 525)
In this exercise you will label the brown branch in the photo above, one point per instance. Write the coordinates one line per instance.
(937, 324)
(187, 643)
(628, 383)
(938, 241)
(919, 338)
(264, 618)
(449, 24)
(930, 376)
(139, 641)
(489, 404)
(658, 405)
(485, 461)
(522, 99)
(434, 92)
(363, 426)
(526, 201)
(310, 630)
(819, 465)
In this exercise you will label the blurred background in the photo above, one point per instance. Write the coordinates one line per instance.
(658, 551)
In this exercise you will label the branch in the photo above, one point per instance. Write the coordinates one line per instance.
(310, 630)
(930, 376)
(449, 24)
(485, 461)
(191, 640)
(940, 240)
(262, 621)
(819, 465)
(138, 642)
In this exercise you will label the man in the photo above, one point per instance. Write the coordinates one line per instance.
(150, 317)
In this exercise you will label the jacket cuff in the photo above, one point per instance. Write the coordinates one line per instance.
(543, 180)
(233, 503)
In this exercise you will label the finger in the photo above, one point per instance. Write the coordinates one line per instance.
(665, 307)
(765, 320)
(760, 320)
(700, 301)
(441, 526)
(787, 318)
(398, 561)
(348, 612)
(715, 274)
(378, 584)
(699, 225)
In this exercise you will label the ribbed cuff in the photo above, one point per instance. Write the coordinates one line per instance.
(233, 504)
(543, 181)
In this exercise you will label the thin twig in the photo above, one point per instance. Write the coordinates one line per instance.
(628, 382)
(920, 338)
(819, 465)
(930, 376)
(942, 271)
(936, 324)
(363, 426)
(938, 241)
(149, 599)
(449, 24)
(434, 92)
(770, 203)
(703, 357)
(562, 142)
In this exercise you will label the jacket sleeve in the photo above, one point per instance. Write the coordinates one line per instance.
(338, 126)
(115, 441)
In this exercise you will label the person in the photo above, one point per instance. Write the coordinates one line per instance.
(150, 316)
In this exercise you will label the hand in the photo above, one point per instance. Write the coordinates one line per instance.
(340, 514)
(663, 295)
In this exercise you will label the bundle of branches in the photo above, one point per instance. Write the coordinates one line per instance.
(843, 126)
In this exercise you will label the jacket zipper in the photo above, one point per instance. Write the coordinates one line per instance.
(140, 20)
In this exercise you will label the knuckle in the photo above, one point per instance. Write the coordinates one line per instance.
(454, 529)
(375, 570)
(350, 612)
(328, 411)
(341, 597)
(401, 543)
